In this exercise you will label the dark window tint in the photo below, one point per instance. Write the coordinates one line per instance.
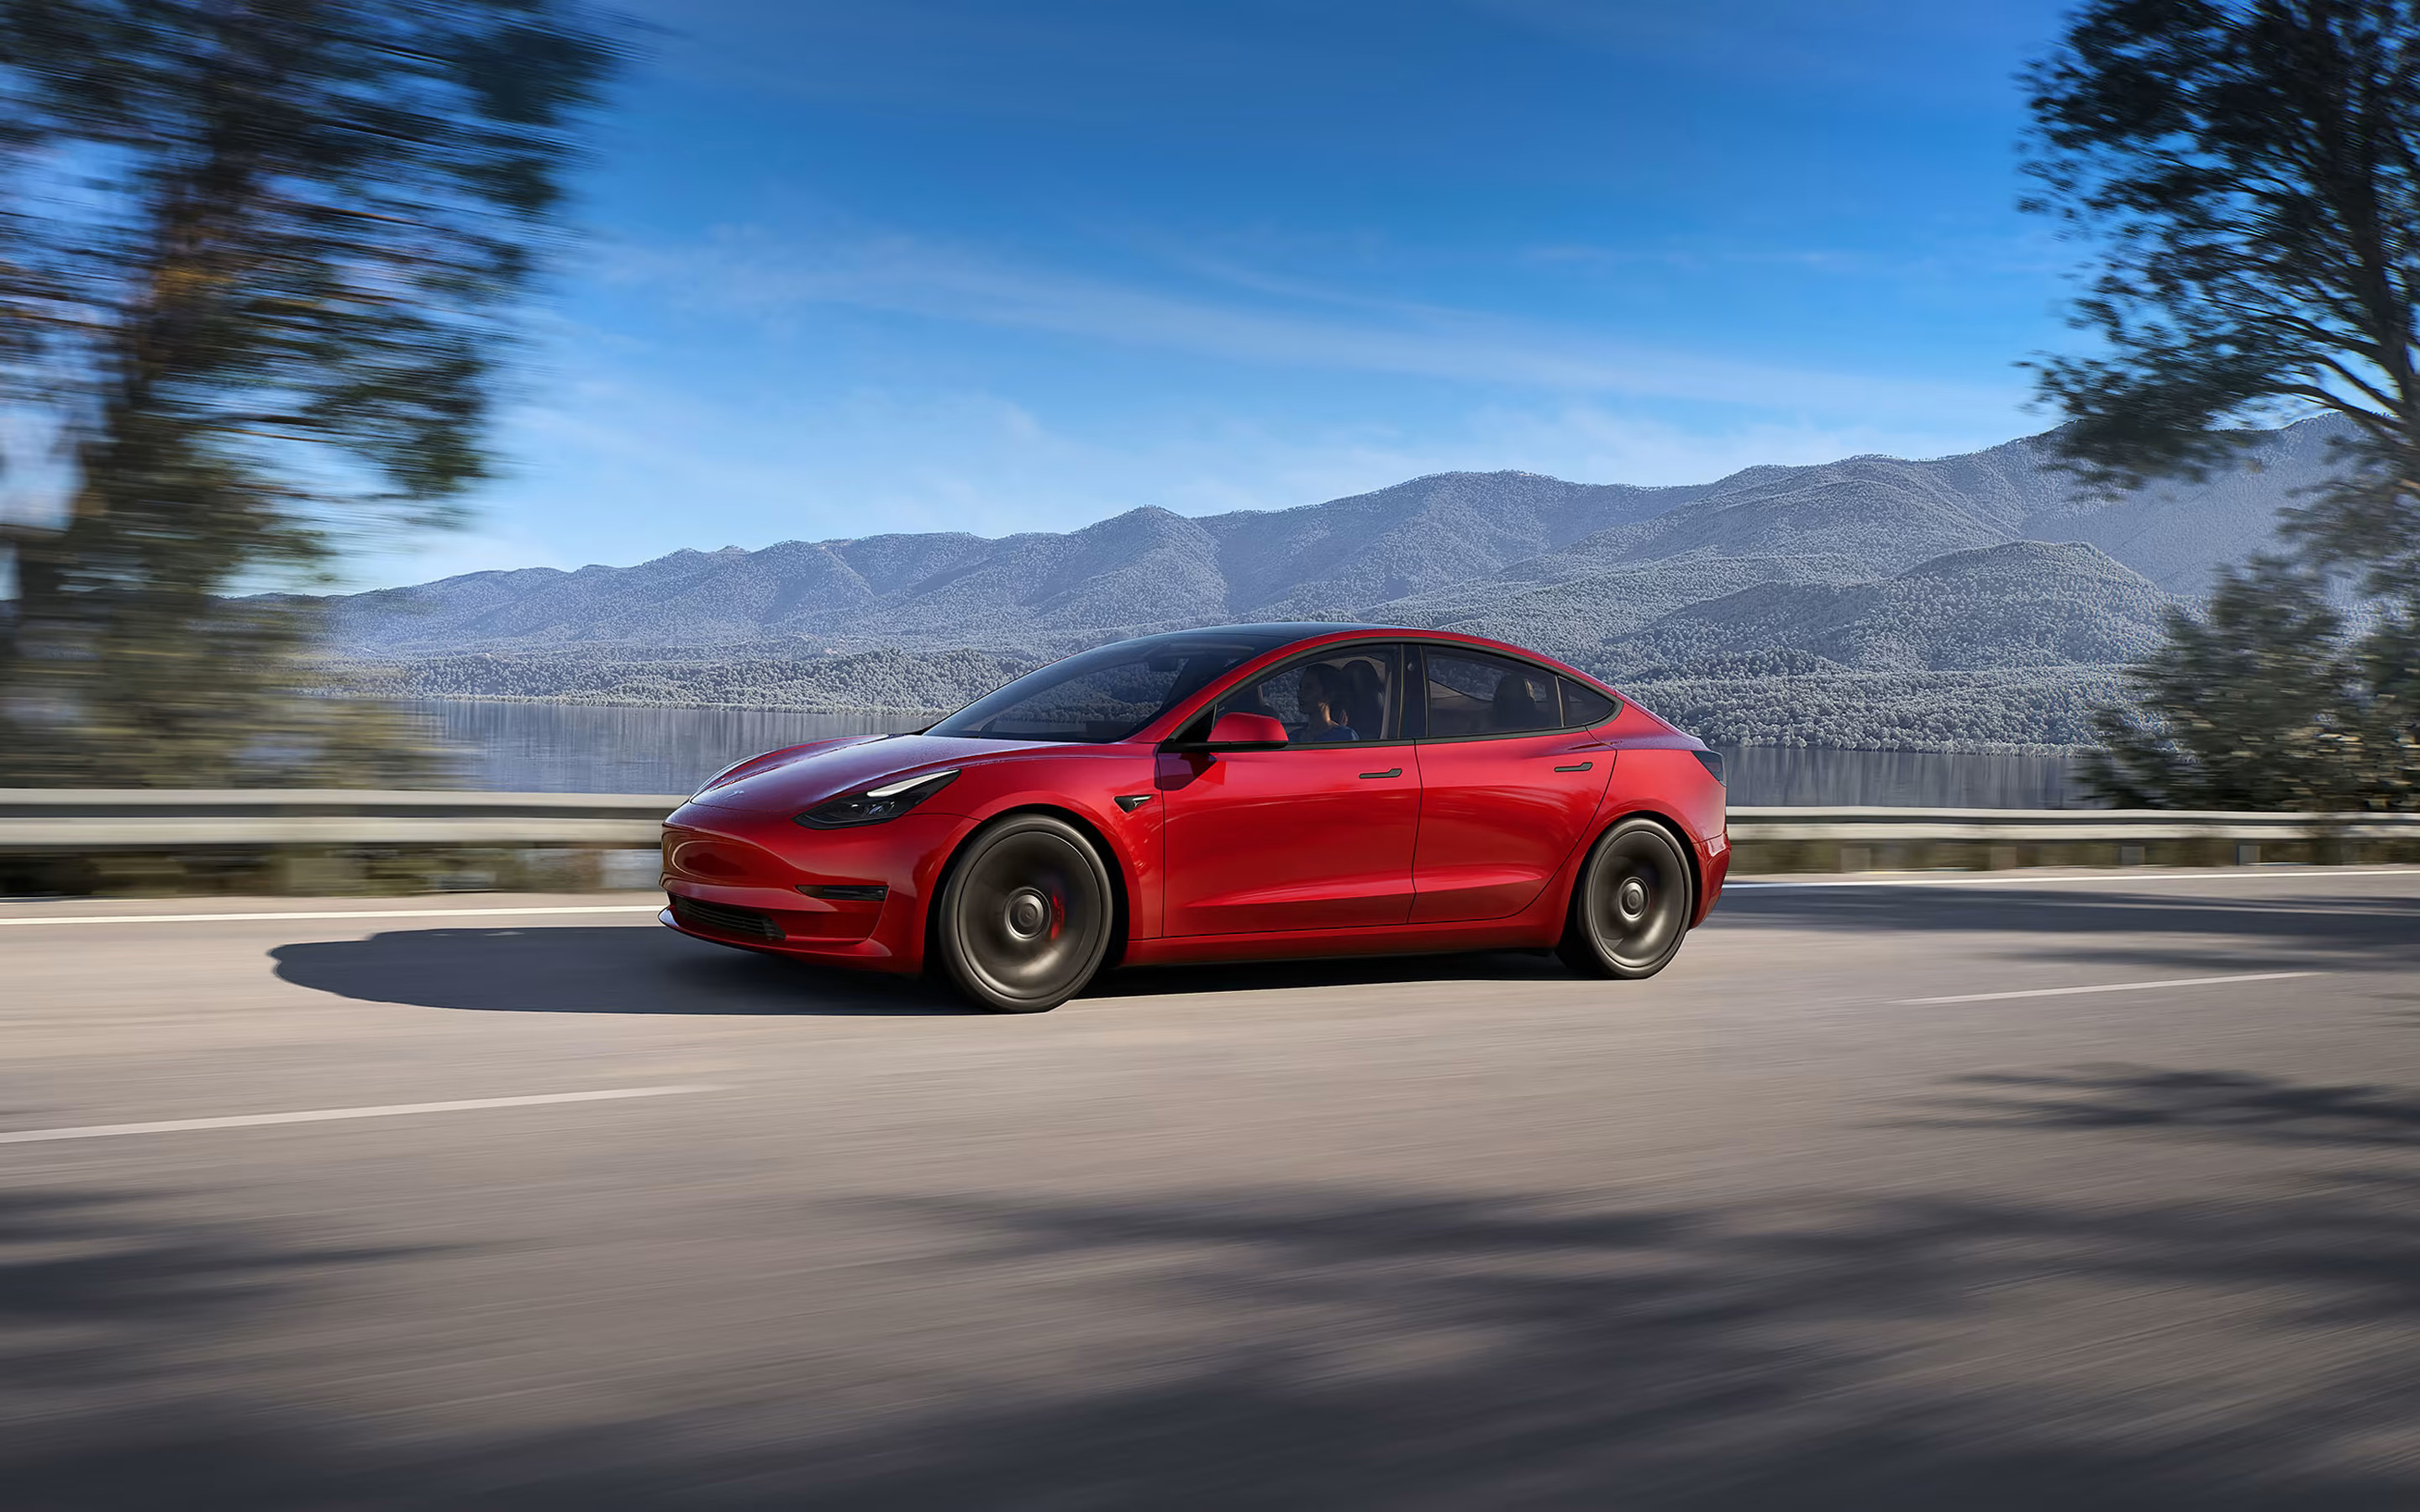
(1584, 706)
(1472, 693)
(1101, 695)
(1351, 694)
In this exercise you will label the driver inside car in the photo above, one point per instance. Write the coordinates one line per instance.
(1322, 699)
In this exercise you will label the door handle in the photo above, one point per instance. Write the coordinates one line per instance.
(1391, 771)
(1581, 767)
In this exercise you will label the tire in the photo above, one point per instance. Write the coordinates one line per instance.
(1025, 918)
(1630, 909)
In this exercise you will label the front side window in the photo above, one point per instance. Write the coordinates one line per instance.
(1102, 695)
(1472, 693)
(1347, 696)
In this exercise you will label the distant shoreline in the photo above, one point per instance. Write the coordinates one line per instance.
(579, 701)
(2033, 750)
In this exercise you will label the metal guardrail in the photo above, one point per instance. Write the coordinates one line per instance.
(89, 820)
(2008, 827)
(92, 819)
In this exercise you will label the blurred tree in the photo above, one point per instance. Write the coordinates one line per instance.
(257, 260)
(2258, 703)
(2251, 171)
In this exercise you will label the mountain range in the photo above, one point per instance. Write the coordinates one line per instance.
(1992, 566)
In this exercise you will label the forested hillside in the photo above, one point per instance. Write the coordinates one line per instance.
(1968, 599)
(2026, 603)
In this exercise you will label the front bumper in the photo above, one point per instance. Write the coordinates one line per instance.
(736, 877)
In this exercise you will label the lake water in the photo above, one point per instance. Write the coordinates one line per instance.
(575, 747)
(561, 748)
(1781, 776)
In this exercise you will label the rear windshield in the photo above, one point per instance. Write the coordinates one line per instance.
(1101, 695)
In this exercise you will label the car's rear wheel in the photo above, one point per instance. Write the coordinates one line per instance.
(1026, 915)
(1631, 908)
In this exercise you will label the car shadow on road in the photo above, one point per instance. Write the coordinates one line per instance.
(563, 969)
(567, 970)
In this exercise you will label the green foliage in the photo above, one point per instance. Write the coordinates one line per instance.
(257, 270)
(2258, 703)
(210, 701)
(2250, 170)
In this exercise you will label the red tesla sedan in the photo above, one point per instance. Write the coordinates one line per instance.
(1249, 792)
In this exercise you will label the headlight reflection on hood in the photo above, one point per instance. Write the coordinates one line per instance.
(871, 806)
(720, 777)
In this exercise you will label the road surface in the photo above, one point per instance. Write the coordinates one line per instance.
(1860, 1205)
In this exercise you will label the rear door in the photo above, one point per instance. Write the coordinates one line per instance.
(1507, 786)
(1318, 835)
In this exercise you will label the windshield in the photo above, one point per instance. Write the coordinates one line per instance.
(1102, 695)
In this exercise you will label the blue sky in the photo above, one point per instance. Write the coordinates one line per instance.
(911, 265)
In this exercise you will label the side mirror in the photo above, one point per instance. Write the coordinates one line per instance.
(1247, 731)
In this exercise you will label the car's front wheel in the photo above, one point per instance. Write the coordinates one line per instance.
(1026, 915)
(1631, 908)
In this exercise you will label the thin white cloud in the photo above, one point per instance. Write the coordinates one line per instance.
(1951, 257)
(908, 275)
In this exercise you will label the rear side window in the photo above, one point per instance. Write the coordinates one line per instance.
(1584, 706)
(1472, 693)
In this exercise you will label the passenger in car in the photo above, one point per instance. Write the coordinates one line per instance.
(1516, 706)
(1322, 698)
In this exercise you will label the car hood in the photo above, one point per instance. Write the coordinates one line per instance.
(828, 771)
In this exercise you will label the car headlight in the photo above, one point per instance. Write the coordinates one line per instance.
(875, 805)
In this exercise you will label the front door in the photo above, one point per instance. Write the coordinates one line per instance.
(1507, 789)
(1318, 835)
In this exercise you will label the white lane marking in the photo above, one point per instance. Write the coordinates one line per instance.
(2110, 987)
(2007, 879)
(331, 913)
(393, 1110)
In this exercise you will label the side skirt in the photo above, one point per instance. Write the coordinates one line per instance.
(1523, 931)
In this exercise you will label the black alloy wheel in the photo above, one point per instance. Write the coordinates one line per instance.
(1631, 909)
(1026, 915)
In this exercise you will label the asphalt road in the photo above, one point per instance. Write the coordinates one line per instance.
(1460, 1233)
